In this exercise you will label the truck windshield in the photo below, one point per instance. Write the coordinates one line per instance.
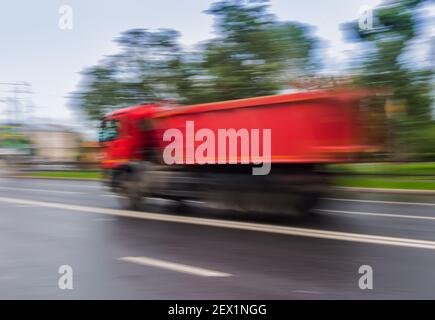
(109, 130)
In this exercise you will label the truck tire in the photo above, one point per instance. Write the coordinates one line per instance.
(130, 189)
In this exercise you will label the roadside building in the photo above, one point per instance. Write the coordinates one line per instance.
(54, 143)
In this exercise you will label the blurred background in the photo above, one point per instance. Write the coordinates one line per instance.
(61, 79)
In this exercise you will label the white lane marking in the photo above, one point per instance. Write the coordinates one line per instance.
(183, 268)
(306, 292)
(111, 196)
(104, 220)
(291, 231)
(39, 190)
(24, 206)
(375, 214)
(384, 202)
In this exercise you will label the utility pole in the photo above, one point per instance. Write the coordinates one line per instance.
(14, 112)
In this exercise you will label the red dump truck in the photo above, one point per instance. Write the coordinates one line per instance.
(259, 154)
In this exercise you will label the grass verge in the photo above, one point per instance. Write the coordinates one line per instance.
(423, 168)
(387, 183)
(91, 175)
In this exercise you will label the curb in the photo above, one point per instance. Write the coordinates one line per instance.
(386, 190)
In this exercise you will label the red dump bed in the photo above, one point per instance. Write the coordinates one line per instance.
(314, 127)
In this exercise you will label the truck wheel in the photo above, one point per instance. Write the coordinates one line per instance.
(181, 207)
(130, 190)
(307, 203)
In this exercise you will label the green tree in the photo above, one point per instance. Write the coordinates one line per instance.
(253, 54)
(384, 64)
(139, 73)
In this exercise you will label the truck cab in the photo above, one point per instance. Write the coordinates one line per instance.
(126, 135)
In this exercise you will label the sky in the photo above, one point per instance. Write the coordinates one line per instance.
(35, 50)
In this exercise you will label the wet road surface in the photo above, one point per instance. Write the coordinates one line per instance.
(210, 254)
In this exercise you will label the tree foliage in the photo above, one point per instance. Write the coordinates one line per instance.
(252, 54)
(396, 26)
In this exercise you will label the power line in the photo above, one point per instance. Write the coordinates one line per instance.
(15, 112)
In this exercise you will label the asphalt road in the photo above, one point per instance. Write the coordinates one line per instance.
(210, 254)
